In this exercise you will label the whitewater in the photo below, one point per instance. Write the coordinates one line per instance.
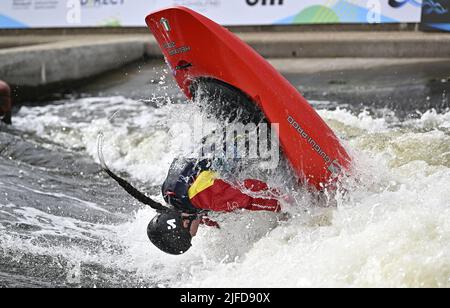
(64, 223)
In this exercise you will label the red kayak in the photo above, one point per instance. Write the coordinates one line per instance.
(199, 51)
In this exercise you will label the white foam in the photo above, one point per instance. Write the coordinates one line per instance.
(391, 228)
(432, 119)
(362, 121)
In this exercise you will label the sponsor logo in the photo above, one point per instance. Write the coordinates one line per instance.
(430, 7)
(169, 45)
(171, 224)
(198, 5)
(99, 3)
(165, 23)
(264, 2)
(309, 139)
(180, 50)
(73, 16)
(400, 3)
(334, 167)
(373, 11)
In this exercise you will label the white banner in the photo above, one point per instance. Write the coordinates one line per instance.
(131, 13)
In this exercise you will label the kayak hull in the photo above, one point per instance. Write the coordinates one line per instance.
(196, 48)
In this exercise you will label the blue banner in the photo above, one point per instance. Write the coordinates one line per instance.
(436, 15)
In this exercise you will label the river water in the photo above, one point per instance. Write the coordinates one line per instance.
(64, 223)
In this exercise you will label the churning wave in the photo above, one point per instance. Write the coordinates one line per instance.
(64, 223)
